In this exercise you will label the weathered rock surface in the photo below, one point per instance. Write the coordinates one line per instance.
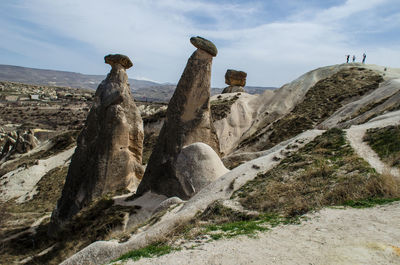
(16, 143)
(188, 120)
(197, 166)
(233, 89)
(235, 78)
(109, 149)
(236, 81)
(205, 45)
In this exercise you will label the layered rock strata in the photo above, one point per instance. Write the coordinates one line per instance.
(188, 120)
(109, 149)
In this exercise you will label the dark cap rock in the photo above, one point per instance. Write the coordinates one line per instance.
(113, 59)
(235, 78)
(204, 44)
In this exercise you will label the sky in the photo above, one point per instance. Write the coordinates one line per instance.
(274, 41)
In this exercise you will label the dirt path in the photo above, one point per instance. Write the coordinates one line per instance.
(355, 136)
(331, 236)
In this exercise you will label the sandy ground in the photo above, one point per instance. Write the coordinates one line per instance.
(331, 236)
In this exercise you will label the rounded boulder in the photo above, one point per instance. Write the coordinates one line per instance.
(197, 166)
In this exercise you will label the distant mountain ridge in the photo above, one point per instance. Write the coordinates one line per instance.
(141, 89)
(58, 78)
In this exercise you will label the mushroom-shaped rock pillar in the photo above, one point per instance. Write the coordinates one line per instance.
(188, 121)
(108, 155)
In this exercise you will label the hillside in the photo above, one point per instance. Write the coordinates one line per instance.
(141, 89)
(59, 78)
(302, 159)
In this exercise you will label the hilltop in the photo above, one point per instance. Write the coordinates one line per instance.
(330, 138)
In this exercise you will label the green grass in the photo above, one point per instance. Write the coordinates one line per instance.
(249, 227)
(153, 250)
(386, 143)
(370, 202)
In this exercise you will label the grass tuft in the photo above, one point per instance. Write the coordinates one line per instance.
(153, 250)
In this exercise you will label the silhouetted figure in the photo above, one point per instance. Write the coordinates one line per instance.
(347, 58)
(354, 58)
(364, 56)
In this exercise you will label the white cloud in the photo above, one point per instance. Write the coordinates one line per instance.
(155, 34)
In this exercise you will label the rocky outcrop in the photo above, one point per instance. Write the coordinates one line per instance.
(16, 142)
(109, 149)
(236, 81)
(188, 120)
(197, 166)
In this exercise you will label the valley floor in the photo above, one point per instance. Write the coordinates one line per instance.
(330, 236)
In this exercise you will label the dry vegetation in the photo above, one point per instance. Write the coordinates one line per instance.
(222, 107)
(60, 143)
(386, 143)
(325, 172)
(320, 101)
(94, 223)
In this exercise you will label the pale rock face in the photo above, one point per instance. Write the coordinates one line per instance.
(233, 89)
(188, 120)
(109, 149)
(197, 166)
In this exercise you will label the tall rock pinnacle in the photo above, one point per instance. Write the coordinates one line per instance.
(108, 155)
(188, 121)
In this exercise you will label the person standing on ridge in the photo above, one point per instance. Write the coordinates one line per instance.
(364, 56)
(354, 58)
(347, 58)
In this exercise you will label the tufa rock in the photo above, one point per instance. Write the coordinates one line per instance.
(115, 59)
(235, 78)
(204, 45)
(236, 81)
(19, 142)
(188, 120)
(108, 155)
(197, 166)
(233, 89)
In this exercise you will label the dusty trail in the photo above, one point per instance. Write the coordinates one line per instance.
(331, 236)
(355, 136)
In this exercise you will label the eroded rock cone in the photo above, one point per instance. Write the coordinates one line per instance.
(109, 149)
(188, 120)
(236, 81)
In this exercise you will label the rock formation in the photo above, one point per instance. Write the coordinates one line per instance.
(236, 81)
(188, 120)
(197, 166)
(16, 143)
(109, 149)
